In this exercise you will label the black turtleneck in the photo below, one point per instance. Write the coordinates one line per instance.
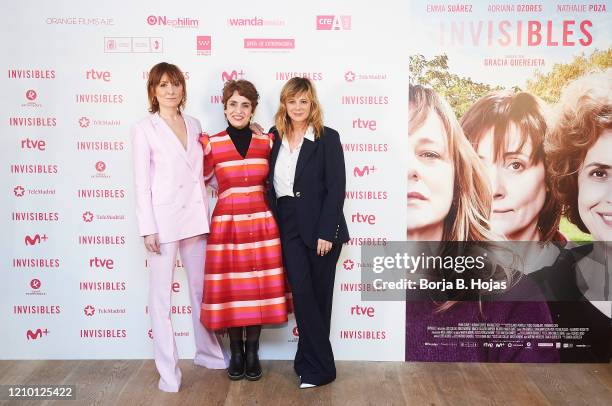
(241, 138)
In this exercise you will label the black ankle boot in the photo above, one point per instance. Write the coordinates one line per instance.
(236, 365)
(253, 367)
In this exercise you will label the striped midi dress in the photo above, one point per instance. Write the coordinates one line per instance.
(244, 279)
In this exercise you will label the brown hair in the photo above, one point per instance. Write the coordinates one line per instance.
(176, 77)
(244, 89)
(293, 87)
(582, 114)
(499, 111)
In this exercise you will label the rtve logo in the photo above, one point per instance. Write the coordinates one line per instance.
(233, 75)
(358, 310)
(295, 331)
(363, 171)
(36, 239)
(96, 262)
(333, 23)
(100, 166)
(363, 218)
(40, 145)
(93, 74)
(364, 124)
(34, 335)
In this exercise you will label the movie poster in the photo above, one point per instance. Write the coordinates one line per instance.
(509, 196)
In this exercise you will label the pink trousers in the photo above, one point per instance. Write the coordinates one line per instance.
(209, 353)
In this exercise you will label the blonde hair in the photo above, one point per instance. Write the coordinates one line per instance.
(292, 88)
(468, 218)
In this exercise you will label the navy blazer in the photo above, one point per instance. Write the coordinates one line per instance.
(319, 187)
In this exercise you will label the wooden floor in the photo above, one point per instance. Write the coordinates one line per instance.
(134, 383)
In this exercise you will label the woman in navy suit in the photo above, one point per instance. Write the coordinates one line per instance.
(307, 187)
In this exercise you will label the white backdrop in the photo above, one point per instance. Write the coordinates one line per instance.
(73, 83)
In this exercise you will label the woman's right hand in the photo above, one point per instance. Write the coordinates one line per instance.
(151, 243)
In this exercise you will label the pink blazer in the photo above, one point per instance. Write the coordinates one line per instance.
(171, 198)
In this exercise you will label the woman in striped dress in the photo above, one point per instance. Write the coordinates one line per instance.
(244, 278)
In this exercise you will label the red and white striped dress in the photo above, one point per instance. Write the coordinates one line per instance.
(244, 280)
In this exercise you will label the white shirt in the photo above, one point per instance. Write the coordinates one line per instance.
(286, 162)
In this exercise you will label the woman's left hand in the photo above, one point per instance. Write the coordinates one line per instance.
(323, 247)
(256, 128)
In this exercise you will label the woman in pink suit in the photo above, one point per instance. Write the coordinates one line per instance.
(172, 212)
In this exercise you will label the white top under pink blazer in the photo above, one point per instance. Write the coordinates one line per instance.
(171, 197)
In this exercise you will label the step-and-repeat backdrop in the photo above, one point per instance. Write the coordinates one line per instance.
(74, 78)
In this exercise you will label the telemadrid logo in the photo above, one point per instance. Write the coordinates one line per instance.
(19, 191)
(348, 264)
(349, 76)
(89, 310)
(88, 217)
(84, 122)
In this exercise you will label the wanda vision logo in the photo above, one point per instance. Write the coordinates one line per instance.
(38, 333)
